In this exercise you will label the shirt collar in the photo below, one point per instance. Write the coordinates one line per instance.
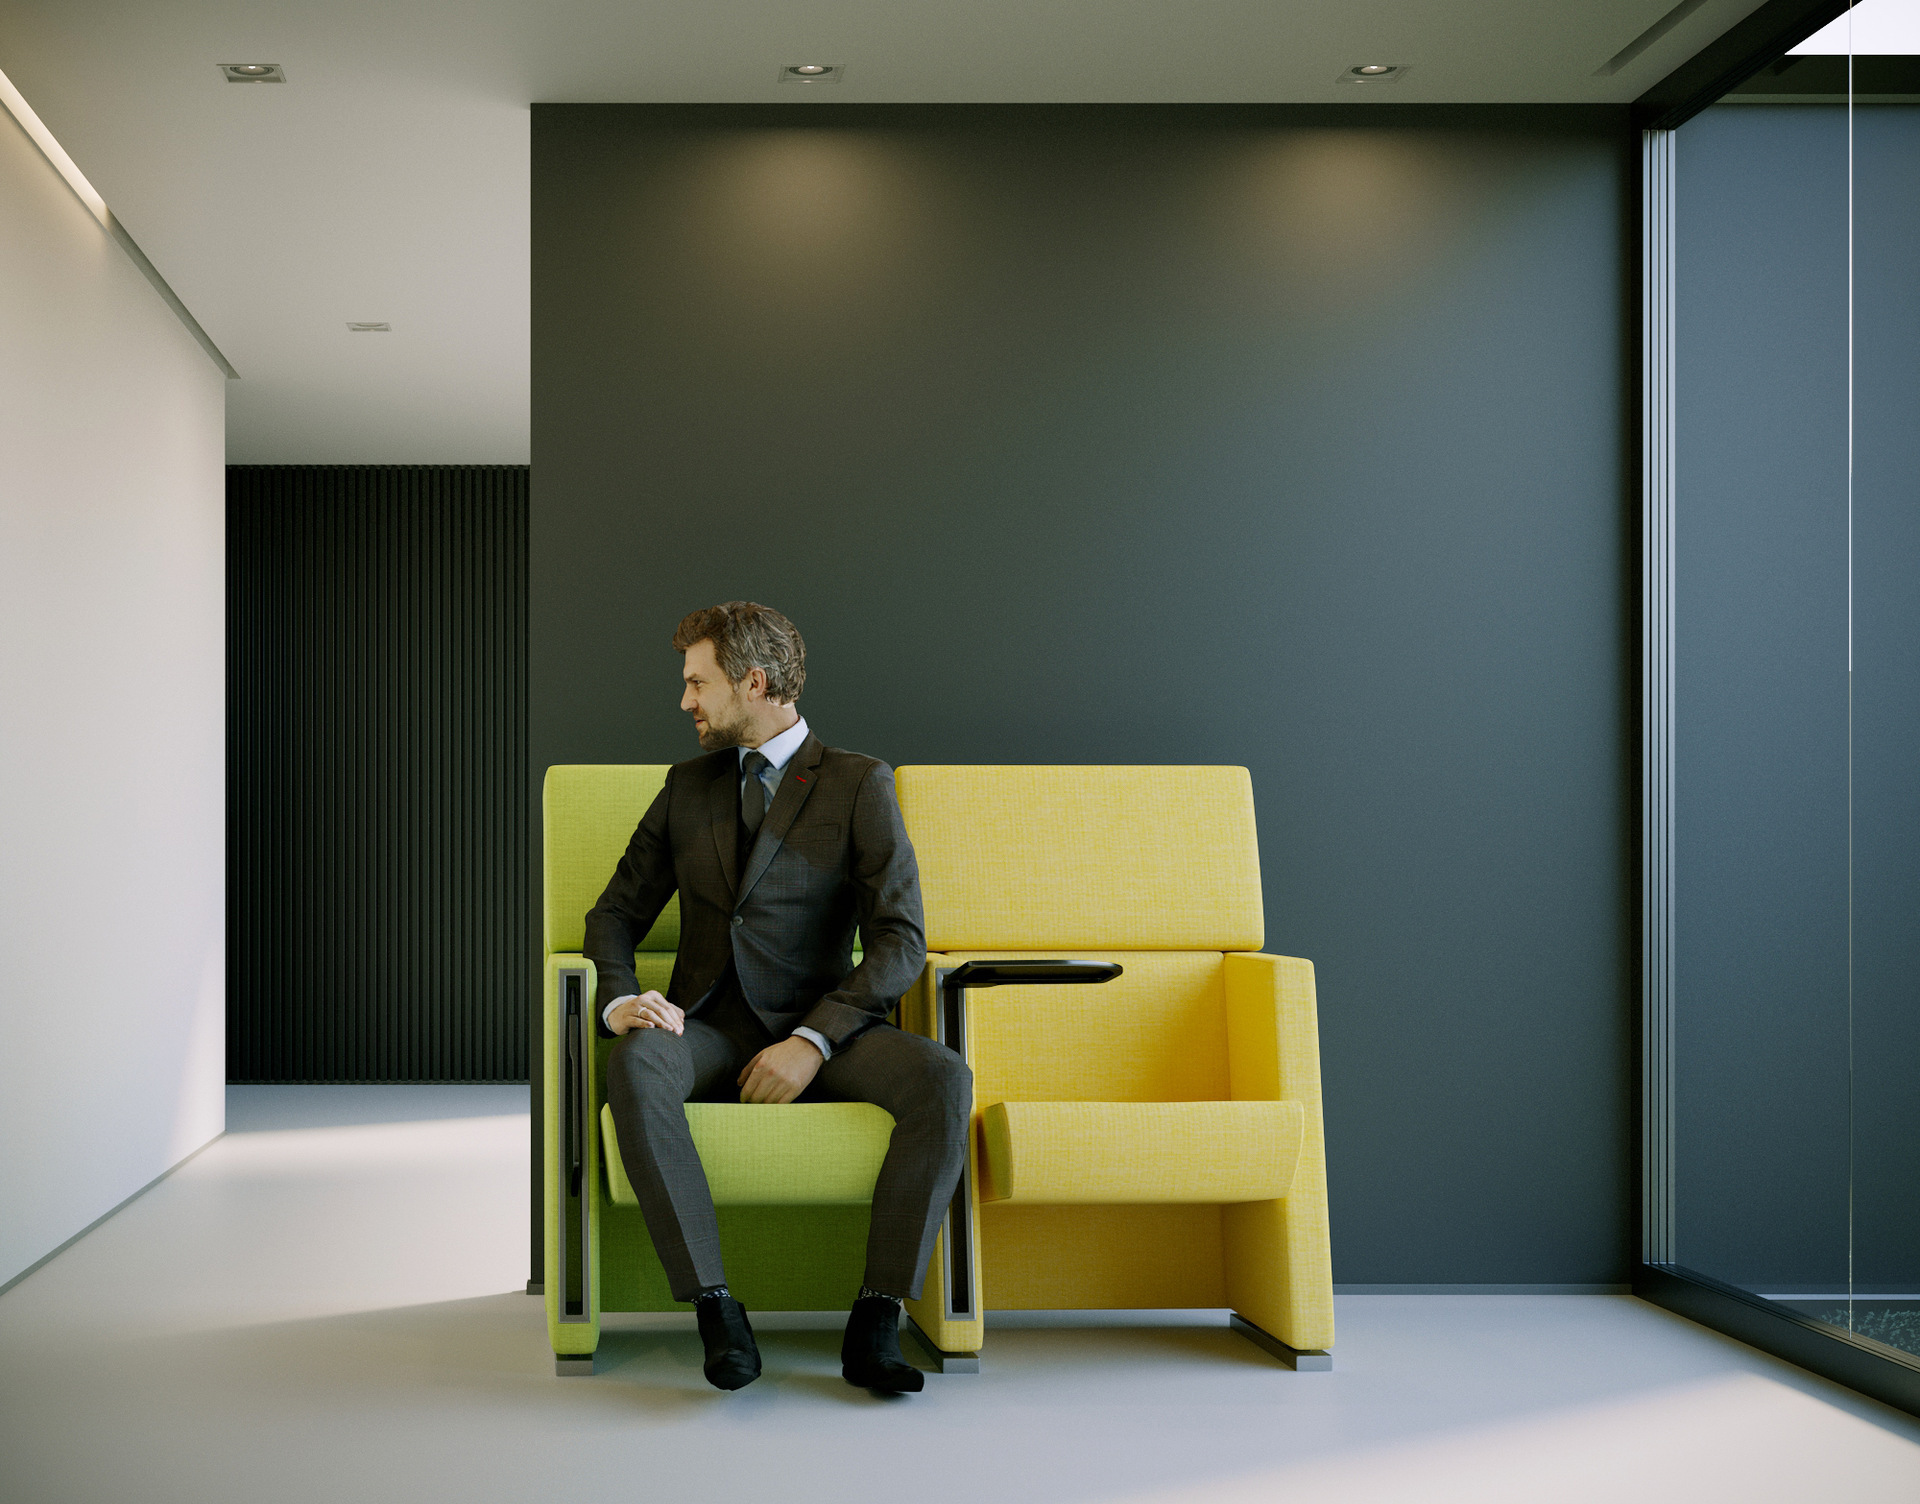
(779, 750)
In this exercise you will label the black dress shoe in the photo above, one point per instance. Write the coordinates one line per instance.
(733, 1358)
(870, 1352)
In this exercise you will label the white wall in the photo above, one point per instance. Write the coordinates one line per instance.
(112, 735)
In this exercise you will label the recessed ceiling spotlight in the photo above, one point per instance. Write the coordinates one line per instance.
(1375, 73)
(812, 73)
(371, 328)
(253, 73)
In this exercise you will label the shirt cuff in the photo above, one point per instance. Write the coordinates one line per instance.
(815, 1038)
(606, 1013)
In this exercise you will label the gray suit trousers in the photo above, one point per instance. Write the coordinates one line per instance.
(652, 1073)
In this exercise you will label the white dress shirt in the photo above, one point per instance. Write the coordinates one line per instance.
(778, 752)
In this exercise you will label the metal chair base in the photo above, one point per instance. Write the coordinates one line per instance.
(942, 1360)
(1300, 1360)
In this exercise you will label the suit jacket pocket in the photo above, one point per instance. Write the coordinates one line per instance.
(821, 845)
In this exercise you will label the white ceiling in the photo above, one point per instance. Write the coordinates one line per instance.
(387, 178)
(1872, 28)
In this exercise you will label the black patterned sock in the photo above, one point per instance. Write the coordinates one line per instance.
(713, 1292)
(867, 1292)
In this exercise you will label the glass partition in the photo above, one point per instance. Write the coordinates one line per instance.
(1795, 751)
(1885, 1248)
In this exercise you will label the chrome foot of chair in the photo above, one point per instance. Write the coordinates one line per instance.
(1300, 1360)
(942, 1360)
(573, 1365)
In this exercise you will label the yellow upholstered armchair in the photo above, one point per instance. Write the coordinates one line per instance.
(1151, 1142)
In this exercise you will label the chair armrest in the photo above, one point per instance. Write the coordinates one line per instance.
(1273, 1031)
(571, 1152)
(572, 981)
(1279, 1253)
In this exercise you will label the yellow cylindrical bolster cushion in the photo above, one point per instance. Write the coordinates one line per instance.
(1114, 1153)
(799, 1154)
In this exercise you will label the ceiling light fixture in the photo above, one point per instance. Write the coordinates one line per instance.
(812, 73)
(1375, 73)
(253, 73)
(371, 328)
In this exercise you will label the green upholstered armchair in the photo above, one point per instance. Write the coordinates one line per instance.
(792, 1184)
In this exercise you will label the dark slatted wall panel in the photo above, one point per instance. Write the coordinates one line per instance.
(377, 835)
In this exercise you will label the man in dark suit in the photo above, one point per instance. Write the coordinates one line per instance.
(779, 848)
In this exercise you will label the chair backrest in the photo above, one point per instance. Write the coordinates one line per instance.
(1063, 858)
(588, 812)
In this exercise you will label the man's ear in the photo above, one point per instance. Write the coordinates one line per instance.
(756, 684)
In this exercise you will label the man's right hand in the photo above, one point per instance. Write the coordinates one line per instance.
(648, 1011)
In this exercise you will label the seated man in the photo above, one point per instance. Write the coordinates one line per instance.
(779, 847)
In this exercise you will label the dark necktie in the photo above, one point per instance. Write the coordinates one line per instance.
(753, 796)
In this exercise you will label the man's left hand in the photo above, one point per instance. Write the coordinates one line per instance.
(780, 1072)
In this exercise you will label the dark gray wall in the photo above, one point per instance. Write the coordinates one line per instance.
(1289, 438)
(1780, 985)
(376, 711)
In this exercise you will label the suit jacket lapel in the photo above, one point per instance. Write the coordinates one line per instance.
(794, 788)
(723, 808)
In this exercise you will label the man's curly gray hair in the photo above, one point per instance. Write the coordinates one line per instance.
(746, 636)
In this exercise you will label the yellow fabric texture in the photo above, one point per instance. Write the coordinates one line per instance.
(1155, 1033)
(796, 1154)
(1279, 1253)
(1119, 1153)
(1156, 868)
(1133, 858)
(1178, 1028)
(1102, 1258)
(588, 812)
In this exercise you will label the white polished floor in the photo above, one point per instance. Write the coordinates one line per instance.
(325, 1306)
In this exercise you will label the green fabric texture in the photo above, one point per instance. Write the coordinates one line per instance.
(800, 1154)
(588, 813)
(779, 1258)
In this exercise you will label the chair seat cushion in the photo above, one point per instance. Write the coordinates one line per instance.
(1118, 1153)
(799, 1154)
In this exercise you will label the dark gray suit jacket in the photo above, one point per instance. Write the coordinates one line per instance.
(831, 855)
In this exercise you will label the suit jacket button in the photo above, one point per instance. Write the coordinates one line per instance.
(738, 920)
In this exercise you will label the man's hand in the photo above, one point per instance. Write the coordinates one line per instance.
(648, 1011)
(780, 1072)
